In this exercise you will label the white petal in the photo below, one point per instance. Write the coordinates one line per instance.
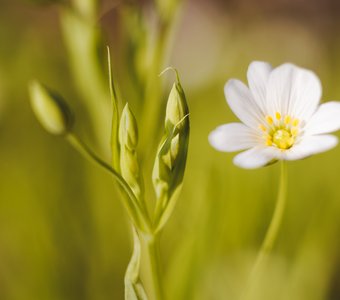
(293, 91)
(233, 137)
(325, 120)
(242, 103)
(310, 145)
(256, 157)
(258, 75)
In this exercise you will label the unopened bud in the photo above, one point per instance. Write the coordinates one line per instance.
(172, 153)
(128, 140)
(171, 157)
(177, 107)
(50, 109)
(128, 131)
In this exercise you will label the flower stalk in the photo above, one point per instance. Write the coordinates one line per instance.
(271, 234)
(154, 266)
(276, 220)
(132, 204)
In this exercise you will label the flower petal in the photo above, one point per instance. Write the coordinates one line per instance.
(293, 91)
(325, 120)
(258, 75)
(310, 145)
(233, 137)
(255, 157)
(242, 103)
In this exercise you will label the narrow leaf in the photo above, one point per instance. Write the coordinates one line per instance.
(115, 117)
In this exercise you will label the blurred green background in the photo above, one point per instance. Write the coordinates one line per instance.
(63, 231)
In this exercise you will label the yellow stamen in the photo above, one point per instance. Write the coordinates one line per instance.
(269, 119)
(283, 139)
(269, 142)
(280, 131)
(294, 131)
(287, 120)
(296, 122)
(262, 127)
(291, 141)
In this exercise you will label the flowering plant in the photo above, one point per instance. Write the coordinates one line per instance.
(280, 114)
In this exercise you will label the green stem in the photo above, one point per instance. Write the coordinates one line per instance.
(132, 204)
(276, 221)
(152, 249)
(271, 234)
(82, 39)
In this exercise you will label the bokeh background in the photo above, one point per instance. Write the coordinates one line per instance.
(64, 234)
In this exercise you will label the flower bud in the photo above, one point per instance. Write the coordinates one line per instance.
(176, 108)
(50, 109)
(128, 140)
(128, 132)
(171, 157)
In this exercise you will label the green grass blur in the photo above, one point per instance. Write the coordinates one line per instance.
(64, 234)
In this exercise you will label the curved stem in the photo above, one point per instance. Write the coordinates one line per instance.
(271, 234)
(276, 221)
(132, 204)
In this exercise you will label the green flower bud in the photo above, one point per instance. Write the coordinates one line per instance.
(176, 108)
(171, 157)
(128, 140)
(128, 132)
(50, 109)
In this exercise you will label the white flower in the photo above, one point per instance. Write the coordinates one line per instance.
(280, 114)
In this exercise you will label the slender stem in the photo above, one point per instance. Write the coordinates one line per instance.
(276, 221)
(152, 249)
(82, 39)
(132, 204)
(271, 234)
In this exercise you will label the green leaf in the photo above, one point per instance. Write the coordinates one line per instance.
(115, 148)
(134, 289)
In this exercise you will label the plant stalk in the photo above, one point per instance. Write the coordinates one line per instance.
(153, 264)
(132, 204)
(271, 234)
(276, 221)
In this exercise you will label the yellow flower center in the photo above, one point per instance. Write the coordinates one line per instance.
(279, 131)
(283, 139)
